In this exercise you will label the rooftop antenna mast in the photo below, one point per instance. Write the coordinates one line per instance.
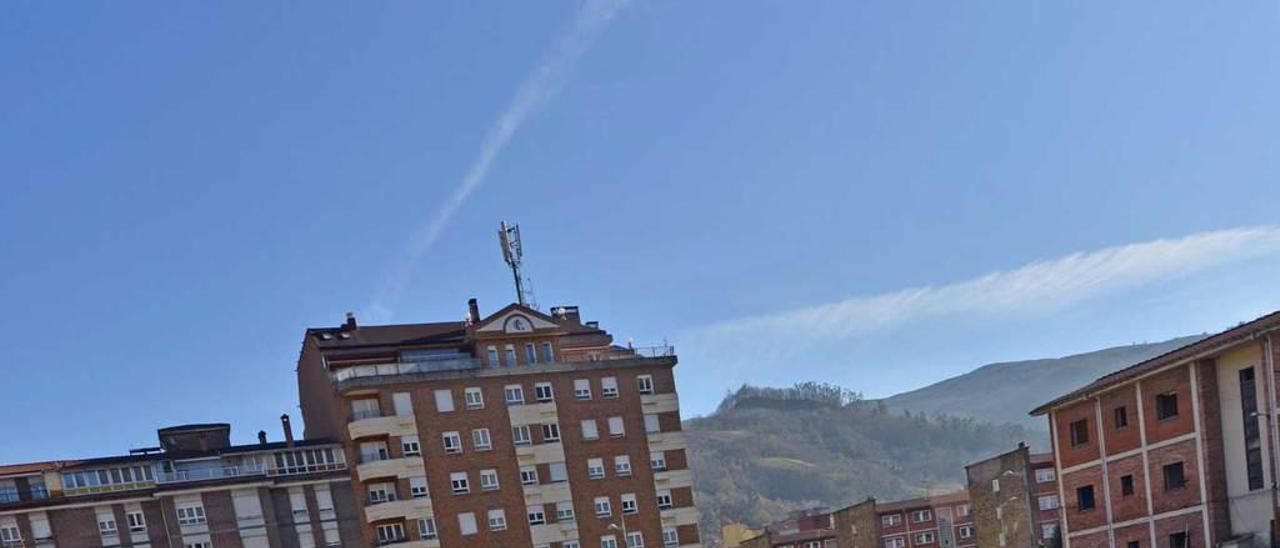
(512, 253)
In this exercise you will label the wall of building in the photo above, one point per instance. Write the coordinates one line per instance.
(1250, 511)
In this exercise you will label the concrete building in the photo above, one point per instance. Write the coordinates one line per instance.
(940, 521)
(518, 428)
(1015, 499)
(195, 490)
(1175, 451)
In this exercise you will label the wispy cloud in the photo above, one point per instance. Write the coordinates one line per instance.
(536, 89)
(1036, 288)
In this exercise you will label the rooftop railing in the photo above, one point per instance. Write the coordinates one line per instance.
(202, 474)
(467, 364)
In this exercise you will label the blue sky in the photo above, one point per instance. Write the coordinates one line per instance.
(186, 187)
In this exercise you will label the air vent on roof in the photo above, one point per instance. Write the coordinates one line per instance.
(326, 336)
(344, 335)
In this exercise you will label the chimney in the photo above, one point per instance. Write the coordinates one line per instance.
(262, 437)
(288, 429)
(473, 308)
(351, 322)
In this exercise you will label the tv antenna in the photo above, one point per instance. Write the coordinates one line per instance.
(512, 253)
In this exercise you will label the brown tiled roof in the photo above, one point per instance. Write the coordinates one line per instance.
(32, 467)
(388, 335)
(1208, 344)
(923, 502)
(1041, 458)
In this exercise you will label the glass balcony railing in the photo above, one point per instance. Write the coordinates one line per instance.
(465, 364)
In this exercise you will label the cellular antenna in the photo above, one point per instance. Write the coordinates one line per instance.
(512, 253)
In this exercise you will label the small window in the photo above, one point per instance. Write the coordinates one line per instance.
(1174, 477)
(1135, 544)
(444, 401)
(452, 442)
(608, 541)
(497, 520)
(510, 355)
(391, 532)
(622, 465)
(644, 384)
(670, 538)
(528, 475)
(595, 468)
(658, 461)
(1179, 540)
(564, 512)
(924, 538)
(137, 522)
(1049, 502)
(542, 392)
(492, 356)
(582, 389)
(427, 528)
(514, 393)
(537, 517)
(475, 398)
(459, 483)
(550, 433)
(995, 485)
(664, 500)
(489, 480)
(410, 446)
(418, 487)
(1080, 432)
(548, 355)
(481, 440)
(1045, 475)
(921, 516)
(1126, 485)
(1121, 417)
(616, 428)
(891, 520)
(559, 472)
(529, 355)
(603, 508)
(651, 423)
(589, 431)
(1084, 498)
(191, 515)
(467, 523)
(107, 526)
(966, 531)
(520, 435)
(609, 387)
(1166, 406)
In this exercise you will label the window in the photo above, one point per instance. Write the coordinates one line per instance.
(418, 487)
(995, 485)
(427, 528)
(891, 520)
(371, 451)
(966, 531)
(570, 544)
(137, 522)
(1135, 544)
(582, 389)
(542, 391)
(410, 447)
(603, 508)
(1179, 540)
(489, 480)
(467, 523)
(595, 468)
(1166, 406)
(497, 520)
(670, 538)
(1080, 432)
(921, 516)
(589, 431)
(458, 481)
(537, 517)
(635, 539)
(481, 440)
(474, 398)
(1049, 502)
(629, 503)
(616, 429)
(509, 351)
(609, 387)
(365, 409)
(664, 500)
(622, 465)
(514, 393)
(403, 404)
(198, 544)
(452, 442)
(1121, 416)
(897, 542)
(1084, 498)
(444, 401)
(391, 532)
(382, 492)
(1252, 431)
(528, 475)
(608, 541)
(962, 510)
(1126, 485)
(924, 538)
(1174, 478)
(564, 512)
(548, 355)
(492, 356)
(658, 461)
(644, 384)
(651, 423)
(191, 515)
(558, 472)
(529, 354)
(10, 536)
(1045, 475)
(520, 435)
(107, 526)
(1048, 530)
(550, 432)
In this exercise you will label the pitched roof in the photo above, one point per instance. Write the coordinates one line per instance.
(1208, 344)
(387, 335)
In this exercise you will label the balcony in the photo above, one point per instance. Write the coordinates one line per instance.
(667, 441)
(408, 509)
(673, 479)
(546, 493)
(543, 453)
(674, 517)
(407, 368)
(404, 467)
(205, 474)
(394, 425)
(659, 403)
(548, 533)
(532, 413)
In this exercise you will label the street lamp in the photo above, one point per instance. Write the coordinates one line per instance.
(623, 529)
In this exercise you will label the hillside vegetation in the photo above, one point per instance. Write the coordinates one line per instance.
(766, 451)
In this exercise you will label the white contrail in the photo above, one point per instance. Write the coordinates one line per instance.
(1036, 288)
(535, 90)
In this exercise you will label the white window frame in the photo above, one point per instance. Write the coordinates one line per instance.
(137, 521)
(520, 435)
(622, 465)
(459, 483)
(603, 507)
(564, 512)
(497, 520)
(473, 397)
(452, 442)
(489, 480)
(644, 384)
(543, 392)
(467, 520)
(410, 446)
(528, 475)
(1045, 475)
(629, 505)
(658, 461)
(481, 440)
(550, 432)
(418, 487)
(891, 520)
(582, 389)
(444, 401)
(652, 423)
(921, 516)
(595, 468)
(191, 514)
(609, 541)
(664, 500)
(107, 526)
(635, 539)
(513, 394)
(427, 528)
(617, 427)
(609, 387)
(390, 532)
(590, 432)
(537, 517)
(925, 537)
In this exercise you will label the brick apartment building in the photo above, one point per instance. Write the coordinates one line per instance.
(1015, 499)
(195, 490)
(940, 521)
(1176, 451)
(516, 429)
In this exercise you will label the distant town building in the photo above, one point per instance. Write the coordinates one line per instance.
(857, 526)
(195, 490)
(1015, 499)
(1177, 451)
(940, 521)
(519, 428)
